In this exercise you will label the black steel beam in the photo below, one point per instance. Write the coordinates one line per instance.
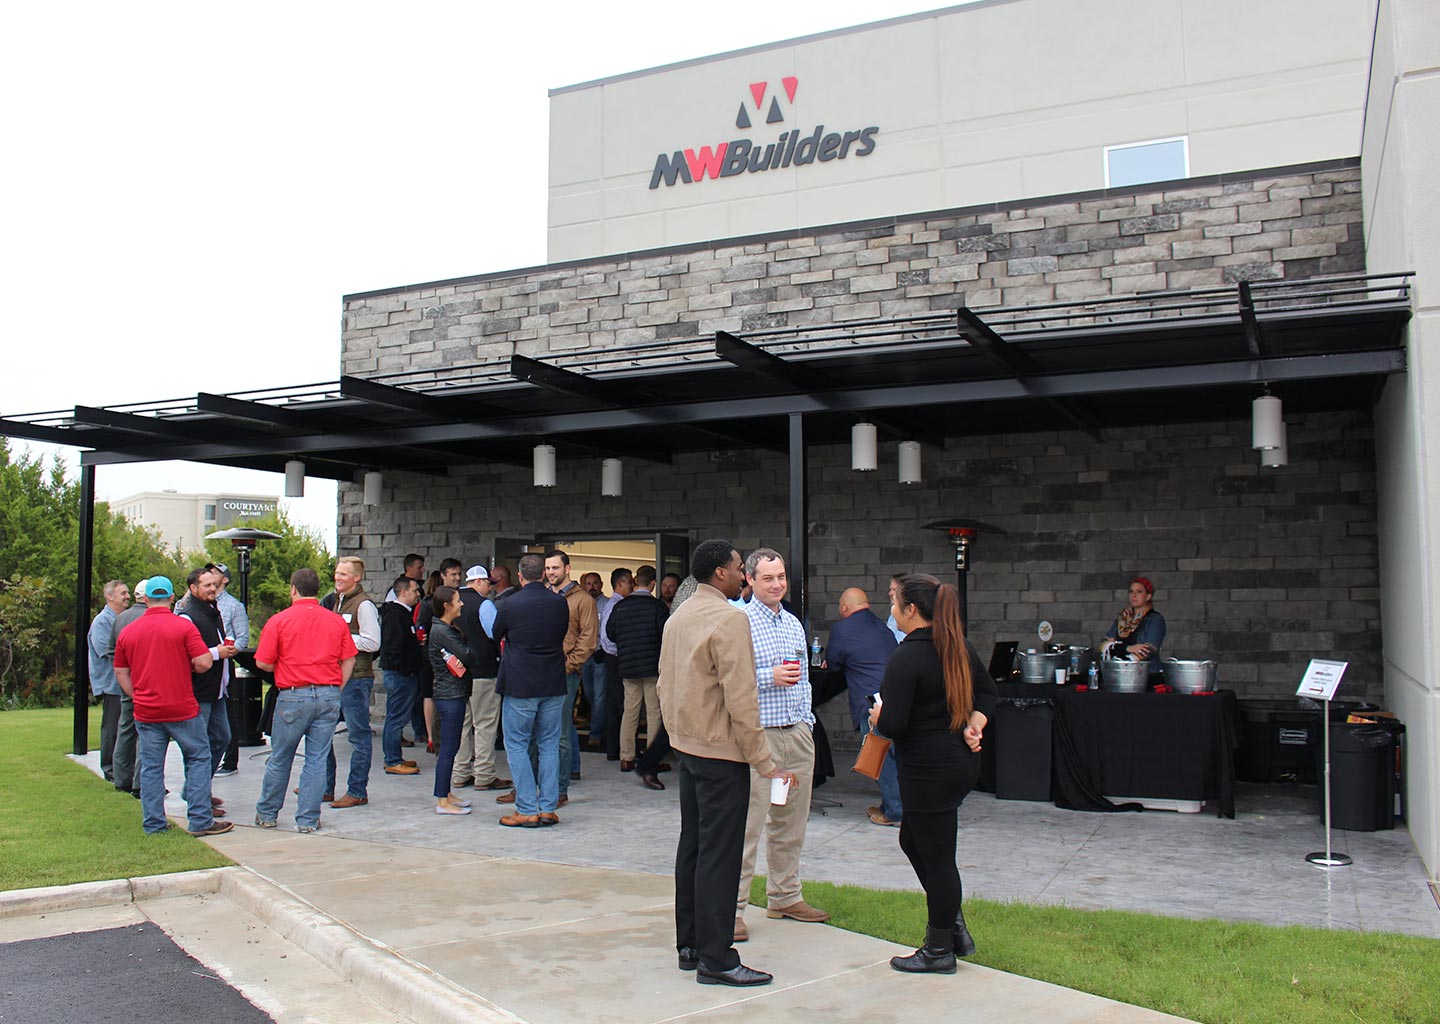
(568, 382)
(1095, 383)
(1254, 340)
(81, 665)
(799, 561)
(39, 432)
(257, 412)
(145, 426)
(387, 396)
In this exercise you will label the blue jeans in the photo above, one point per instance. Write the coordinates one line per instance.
(594, 679)
(569, 738)
(301, 712)
(216, 717)
(450, 717)
(889, 781)
(538, 719)
(190, 737)
(355, 706)
(400, 694)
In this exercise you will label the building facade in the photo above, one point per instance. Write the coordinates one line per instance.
(182, 520)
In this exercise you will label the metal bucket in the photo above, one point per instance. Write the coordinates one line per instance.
(1190, 676)
(1125, 676)
(1040, 667)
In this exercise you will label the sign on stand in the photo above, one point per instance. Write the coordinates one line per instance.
(1321, 681)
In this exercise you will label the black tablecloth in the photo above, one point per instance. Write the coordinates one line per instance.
(825, 683)
(1164, 745)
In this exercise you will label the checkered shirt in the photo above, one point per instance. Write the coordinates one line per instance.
(775, 637)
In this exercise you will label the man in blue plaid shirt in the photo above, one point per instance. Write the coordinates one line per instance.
(783, 687)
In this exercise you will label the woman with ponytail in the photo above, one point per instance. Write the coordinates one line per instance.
(935, 700)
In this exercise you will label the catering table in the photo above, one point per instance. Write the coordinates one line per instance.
(1165, 745)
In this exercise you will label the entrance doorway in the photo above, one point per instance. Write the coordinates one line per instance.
(603, 552)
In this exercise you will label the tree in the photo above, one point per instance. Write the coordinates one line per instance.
(299, 547)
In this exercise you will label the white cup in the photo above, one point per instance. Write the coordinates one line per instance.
(1059, 677)
(779, 791)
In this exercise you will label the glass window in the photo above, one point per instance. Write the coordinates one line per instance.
(209, 513)
(1138, 162)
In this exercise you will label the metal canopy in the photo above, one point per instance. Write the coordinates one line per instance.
(1092, 364)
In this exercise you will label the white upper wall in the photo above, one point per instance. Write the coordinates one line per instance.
(995, 101)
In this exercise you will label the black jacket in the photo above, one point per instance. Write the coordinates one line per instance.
(532, 624)
(400, 652)
(913, 690)
(446, 639)
(207, 620)
(487, 651)
(634, 627)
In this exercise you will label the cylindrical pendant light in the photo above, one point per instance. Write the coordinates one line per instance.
(909, 462)
(1280, 455)
(1265, 428)
(611, 484)
(294, 479)
(863, 447)
(544, 465)
(373, 482)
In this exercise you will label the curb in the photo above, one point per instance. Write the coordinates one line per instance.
(383, 974)
(53, 899)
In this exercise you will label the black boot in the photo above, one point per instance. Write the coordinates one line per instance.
(964, 944)
(937, 956)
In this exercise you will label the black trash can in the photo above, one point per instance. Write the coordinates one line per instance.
(1022, 758)
(1362, 776)
(245, 693)
(1279, 743)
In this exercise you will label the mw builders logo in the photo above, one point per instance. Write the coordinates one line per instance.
(794, 147)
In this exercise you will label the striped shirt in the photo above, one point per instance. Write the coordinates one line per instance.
(776, 636)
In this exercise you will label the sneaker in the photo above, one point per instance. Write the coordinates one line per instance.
(217, 828)
(225, 773)
(262, 823)
(305, 830)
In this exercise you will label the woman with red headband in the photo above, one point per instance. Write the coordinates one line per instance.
(1139, 630)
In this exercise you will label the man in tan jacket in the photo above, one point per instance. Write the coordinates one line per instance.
(581, 640)
(708, 701)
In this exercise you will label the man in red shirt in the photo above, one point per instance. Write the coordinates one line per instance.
(154, 658)
(311, 653)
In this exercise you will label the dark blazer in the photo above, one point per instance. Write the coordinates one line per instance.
(531, 624)
(634, 627)
(400, 652)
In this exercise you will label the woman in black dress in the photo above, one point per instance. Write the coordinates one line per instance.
(935, 700)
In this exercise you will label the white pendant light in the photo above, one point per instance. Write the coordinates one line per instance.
(294, 479)
(373, 482)
(863, 447)
(1266, 423)
(1280, 455)
(544, 465)
(611, 484)
(909, 462)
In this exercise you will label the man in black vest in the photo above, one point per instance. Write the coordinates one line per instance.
(352, 604)
(475, 761)
(211, 685)
(635, 627)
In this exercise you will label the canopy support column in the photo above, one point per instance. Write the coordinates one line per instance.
(799, 568)
(86, 550)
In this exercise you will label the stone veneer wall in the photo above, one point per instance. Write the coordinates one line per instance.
(1198, 233)
(1261, 569)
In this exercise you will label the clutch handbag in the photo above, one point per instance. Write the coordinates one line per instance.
(872, 755)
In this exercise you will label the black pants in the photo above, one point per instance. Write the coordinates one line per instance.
(614, 707)
(656, 750)
(235, 708)
(109, 729)
(714, 799)
(928, 839)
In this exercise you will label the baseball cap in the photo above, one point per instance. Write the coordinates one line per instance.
(159, 586)
(477, 572)
(222, 568)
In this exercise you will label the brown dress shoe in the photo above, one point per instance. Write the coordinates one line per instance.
(651, 781)
(521, 821)
(798, 911)
(562, 801)
(506, 798)
(496, 784)
(350, 801)
(549, 819)
(627, 766)
(403, 768)
(410, 764)
(742, 934)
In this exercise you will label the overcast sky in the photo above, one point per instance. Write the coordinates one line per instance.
(191, 188)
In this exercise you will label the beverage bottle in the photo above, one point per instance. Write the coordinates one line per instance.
(1094, 676)
(815, 657)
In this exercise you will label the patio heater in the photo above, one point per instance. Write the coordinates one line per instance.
(962, 534)
(243, 540)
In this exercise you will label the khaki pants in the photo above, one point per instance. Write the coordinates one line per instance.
(636, 692)
(784, 826)
(476, 757)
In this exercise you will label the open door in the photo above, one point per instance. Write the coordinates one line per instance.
(509, 549)
(672, 554)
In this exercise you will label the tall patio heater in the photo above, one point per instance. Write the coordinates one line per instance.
(962, 534)
(246, 696)
(243, 540)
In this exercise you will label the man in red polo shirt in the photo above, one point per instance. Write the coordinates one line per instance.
(154, 658)
(311, 653)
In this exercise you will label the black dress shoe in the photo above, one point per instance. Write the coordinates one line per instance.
(739, 976)
(937, 956)
(964, 944)
(651, 781)
(689, 958)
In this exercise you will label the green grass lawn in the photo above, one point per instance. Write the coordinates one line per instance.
(60, 823)
(1212, 971)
